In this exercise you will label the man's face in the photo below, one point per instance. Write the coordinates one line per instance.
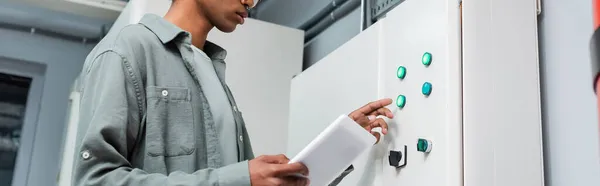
(225, 14)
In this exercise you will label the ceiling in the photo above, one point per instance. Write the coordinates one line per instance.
(92, 14)
(96, 9)
(69, 19)
(291, 13)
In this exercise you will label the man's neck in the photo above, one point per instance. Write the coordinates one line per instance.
(187, 16)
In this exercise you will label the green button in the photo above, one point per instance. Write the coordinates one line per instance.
(426, 59)
(426, 88)
(401, 73)
(423, 145)
(401, 101)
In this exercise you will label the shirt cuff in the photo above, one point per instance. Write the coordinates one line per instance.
(234, 175)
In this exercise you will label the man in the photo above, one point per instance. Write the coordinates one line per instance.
(160, 113)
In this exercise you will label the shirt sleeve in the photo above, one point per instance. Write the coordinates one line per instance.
(111, 109)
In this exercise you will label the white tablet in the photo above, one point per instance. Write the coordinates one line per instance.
(334, 149)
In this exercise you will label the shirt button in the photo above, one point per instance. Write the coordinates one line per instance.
(85, 155)
(235, 108)
(241, 138)
(165, 92)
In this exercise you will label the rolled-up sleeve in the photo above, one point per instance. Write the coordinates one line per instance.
(110, 106)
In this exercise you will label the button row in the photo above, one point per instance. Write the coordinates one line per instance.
(426, 88)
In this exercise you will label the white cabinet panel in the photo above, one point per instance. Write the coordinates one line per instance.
(343, 81)
(502, 115)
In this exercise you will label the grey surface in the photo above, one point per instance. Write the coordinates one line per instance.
(335, 15)
(322, 14)
(569, 106)
(5, 177)
(331, 38)
(291, 13)
(53, 21)
(32, 107)
(381, 7)
(63, 61)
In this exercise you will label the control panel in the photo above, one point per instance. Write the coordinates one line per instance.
(415, 70)
(455, 122)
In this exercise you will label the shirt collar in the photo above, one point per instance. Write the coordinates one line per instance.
(167, 32)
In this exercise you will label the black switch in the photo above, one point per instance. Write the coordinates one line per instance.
(398, 158)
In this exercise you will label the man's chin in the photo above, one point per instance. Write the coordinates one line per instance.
(228, 28)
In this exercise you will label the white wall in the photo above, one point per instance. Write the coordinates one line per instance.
(63, 60)
(569, 105)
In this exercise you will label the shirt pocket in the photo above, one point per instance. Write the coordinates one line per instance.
(170, 122)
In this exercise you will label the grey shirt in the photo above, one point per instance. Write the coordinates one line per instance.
(149, 122)
(218, 103)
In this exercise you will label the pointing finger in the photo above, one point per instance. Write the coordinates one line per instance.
(382, 111)
(373, 106)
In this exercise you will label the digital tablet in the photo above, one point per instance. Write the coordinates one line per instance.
(334, 150)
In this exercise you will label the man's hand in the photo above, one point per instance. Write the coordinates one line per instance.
(366, 116)
(275, 171)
